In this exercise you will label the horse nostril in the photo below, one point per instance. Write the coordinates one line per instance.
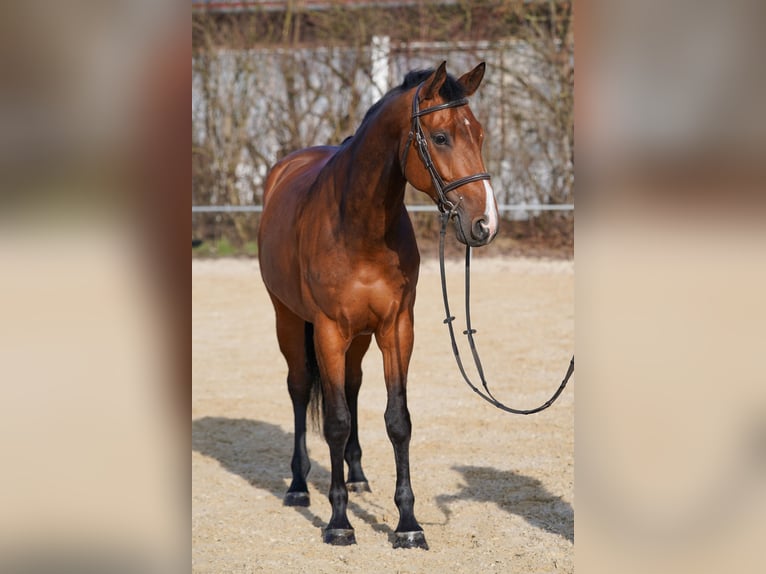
(480, 229)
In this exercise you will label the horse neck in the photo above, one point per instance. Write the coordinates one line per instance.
(373, 195)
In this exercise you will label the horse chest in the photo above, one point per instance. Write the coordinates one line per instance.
(360, 302)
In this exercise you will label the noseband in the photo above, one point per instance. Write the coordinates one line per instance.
(416, 133)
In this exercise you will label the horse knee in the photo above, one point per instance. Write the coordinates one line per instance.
(337, 427)
(398, 424)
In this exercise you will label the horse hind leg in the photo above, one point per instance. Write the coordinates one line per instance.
(292, 333)
(357, 482)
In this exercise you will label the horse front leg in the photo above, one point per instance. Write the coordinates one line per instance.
(396, 346)
(331, 355)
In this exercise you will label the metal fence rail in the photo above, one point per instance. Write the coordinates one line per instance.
(413, 208)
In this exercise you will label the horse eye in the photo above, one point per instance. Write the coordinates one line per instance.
(440, 139)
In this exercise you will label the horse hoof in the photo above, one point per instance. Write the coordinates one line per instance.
(414, 539)
(361, 486)
(297, 499)
(339, 536)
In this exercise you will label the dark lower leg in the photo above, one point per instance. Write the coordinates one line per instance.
(331, 354)
(297, 493)
(337, 428)
(291, 334)
(300, 464)
(353, 453)
(399, 430)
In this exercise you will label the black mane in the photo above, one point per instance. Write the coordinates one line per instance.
(451, 90)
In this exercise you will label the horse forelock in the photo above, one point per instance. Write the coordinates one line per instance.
(450, 90)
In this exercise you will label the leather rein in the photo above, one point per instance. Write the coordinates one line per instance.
(448, 210)
(470, 332)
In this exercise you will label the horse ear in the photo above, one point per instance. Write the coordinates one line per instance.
(434, 82)
(471, 80)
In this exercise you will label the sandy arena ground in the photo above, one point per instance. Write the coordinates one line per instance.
(494, 492)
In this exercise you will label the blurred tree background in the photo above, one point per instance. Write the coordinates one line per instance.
(273, 77)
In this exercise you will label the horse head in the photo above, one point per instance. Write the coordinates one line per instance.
(448, 139)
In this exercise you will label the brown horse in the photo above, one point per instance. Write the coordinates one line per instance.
(339, 259)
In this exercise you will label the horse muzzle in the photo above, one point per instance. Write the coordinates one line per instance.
(475, 232)
(476, 219)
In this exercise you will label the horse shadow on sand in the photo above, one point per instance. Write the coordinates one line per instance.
(514, 493)
(260, 452)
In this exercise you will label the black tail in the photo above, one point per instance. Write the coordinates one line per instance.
(316, 402)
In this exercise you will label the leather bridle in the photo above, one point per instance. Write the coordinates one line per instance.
(416, 133)
(448, 210)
